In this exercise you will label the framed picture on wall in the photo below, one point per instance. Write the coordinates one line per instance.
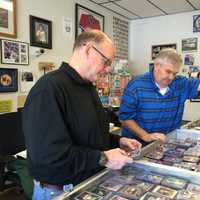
(40, 32)
(8, 80)
(87, 19)
(14, 52)
(196, 23)
(8, 24)
(190, 44)
(155, 49)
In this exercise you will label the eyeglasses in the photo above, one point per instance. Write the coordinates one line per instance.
(106, 61)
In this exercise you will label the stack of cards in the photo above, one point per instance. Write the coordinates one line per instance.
(165, 191)
(136, 189)
(174, 182)
(151, 177)
(153, 196)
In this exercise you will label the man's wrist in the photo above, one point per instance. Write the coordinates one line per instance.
(103, 159)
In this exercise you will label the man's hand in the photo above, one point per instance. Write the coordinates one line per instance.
(117, 158)
(155, 136)
(129, 144)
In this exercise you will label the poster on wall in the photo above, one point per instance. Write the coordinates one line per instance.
(196, 23)
(189, 59)
(26, 80)
(87, 19)
(155, 49)
(190, 44)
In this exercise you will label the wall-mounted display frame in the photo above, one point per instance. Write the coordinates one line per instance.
(189, 44)
(14, 52)
(8, 80)
(87, 19)
(196, 23)
(8, 23)
(155, 49)
(40, 32)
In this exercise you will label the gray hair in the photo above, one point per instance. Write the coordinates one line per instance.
(95, 36)
(169, 55)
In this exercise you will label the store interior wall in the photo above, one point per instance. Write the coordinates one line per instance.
(62, 45)
(163, 30)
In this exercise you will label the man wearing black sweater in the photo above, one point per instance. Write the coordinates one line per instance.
(65, 126)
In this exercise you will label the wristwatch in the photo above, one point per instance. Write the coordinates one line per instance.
(103, 159)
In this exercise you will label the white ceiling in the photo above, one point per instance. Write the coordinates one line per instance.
(139, 9)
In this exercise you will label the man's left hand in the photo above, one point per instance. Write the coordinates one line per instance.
(129, 144)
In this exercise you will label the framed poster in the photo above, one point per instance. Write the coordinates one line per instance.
(14, 52)
(155, 49)
(8, 80)
(8, 24)
(190, 44)
(40, 32)
(87, 19)
(196, 23)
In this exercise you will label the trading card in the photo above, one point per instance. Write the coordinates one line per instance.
(186, 165)
(155, 155)
(174, 182)
(153, 196)
(172, 159)
(99, 191)
(117, 197)
(132, 191)
(192, 159)
(127, 170)
(184, 195)
(87, 196)
(135, 154)
(112, 184)
(170, 152)
(193, 188)
(197, 169)
(165, 191)
(151, 177)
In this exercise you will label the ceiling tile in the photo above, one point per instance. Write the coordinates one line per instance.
(142, 7)
(195, 3)
(119, 10)
(100, 1)
(176, 7)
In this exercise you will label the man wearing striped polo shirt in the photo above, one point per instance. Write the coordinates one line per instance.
(153, 103)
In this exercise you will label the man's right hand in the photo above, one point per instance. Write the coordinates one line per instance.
(117, 158)
(155, 136)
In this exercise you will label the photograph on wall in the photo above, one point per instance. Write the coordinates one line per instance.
(8, 18)
(189, 44)
(155, 49)
(87, 19)
(196, 23)
(26, 80)
(8, 80)
(40, 32)
(189, 59)
(194, 71)
(14, 52)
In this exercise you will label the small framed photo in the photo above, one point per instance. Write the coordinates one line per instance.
(196, 23)
(8, 80)
(87, 19)
(14, 52)
(189, 44)
(8, 24)
(40, 32)
(155, 49)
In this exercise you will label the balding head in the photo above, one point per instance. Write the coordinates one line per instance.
(94, 36)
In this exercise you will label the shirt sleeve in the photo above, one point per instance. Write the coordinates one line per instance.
(192, 87)
(128, 105)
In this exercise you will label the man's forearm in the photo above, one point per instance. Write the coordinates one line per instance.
(135, 128)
